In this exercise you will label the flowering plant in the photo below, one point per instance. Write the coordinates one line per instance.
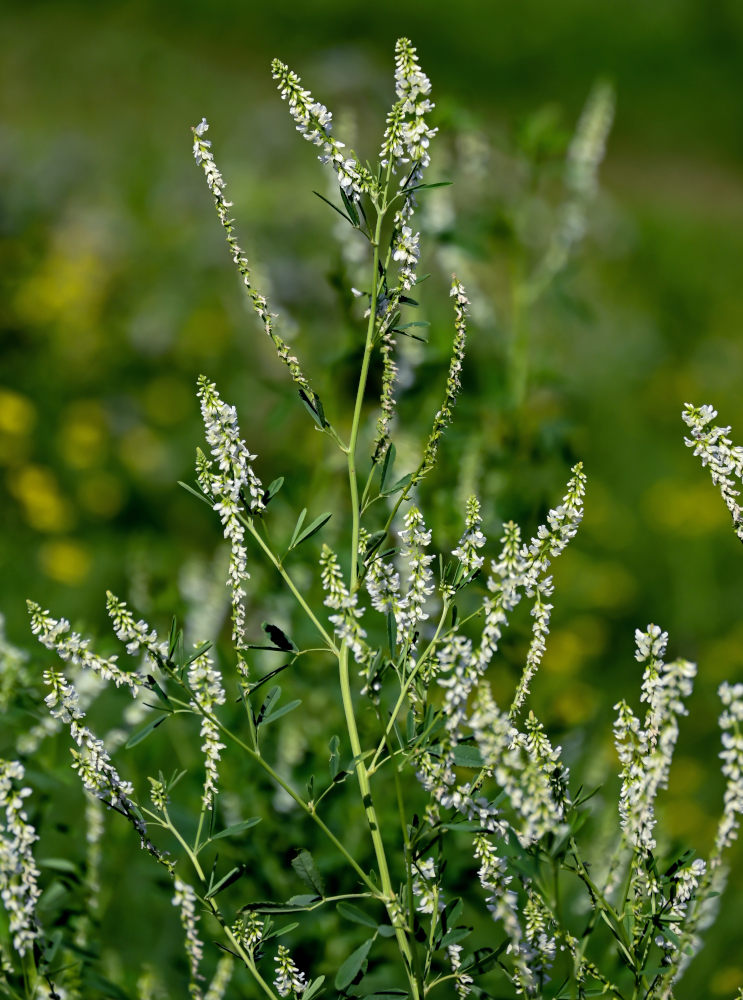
(413, 638)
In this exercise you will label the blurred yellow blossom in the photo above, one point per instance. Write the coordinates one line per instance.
(37, 491)
(17, 413)
(65, 560)
(690, 509)
(83, 434)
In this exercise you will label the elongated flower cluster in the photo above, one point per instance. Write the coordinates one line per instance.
(221, 978)
(52, 633)
(248, 929)
(453, 382)
(467, 551)
(136, 634)
(426, 887)
(337, 597)
(719, 454)
(386, 396)
(411, 607)
(731, 724)
(462, 980)
(406, 146)
(205, 158)
(206, 683)
(315, 123)
(235, 488)
(19, 890)
(289, 980)
(588, 145)
(645, 752)
(92, 761)
(184, 898)
(519, 569)
(518, 764)
(502, 901)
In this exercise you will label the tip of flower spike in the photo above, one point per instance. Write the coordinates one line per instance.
(201, 128)
(277, 68)
(32, 606)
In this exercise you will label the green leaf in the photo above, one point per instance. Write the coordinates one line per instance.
(314, 407)
(273, 489)
(156, 689)
(389, 461)
(335, 760)
(289, 707)
(62, 865)
(234, 830)
(427, 187)
(305, 899)
(352, 966)
(297, 528)
(199, 496)
(350, 912)
(172, 638)
(391, 633)
(273, 696)
(269, 676)
(304, 865)
(265, 906)
(399, 485)
(314, 988)
(343, 216)
(454, 935)
(199, 651)
(309, 531)
(232, 876)
(350, 208)
(144, 732)
(467, 755)
(279, 638)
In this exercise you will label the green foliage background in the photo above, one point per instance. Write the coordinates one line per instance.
(116, 292)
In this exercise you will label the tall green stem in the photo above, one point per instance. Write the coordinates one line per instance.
(391, 904)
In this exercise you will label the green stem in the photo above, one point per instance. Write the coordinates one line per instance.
(343, 666)
(306, 807)
(215, 911)
(291, 585)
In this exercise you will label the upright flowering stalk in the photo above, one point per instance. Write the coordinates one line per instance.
(346, 622)
(453, 382)
(719, 454)
(645, 752)
(410, 611)
(315, 123)
(289, 980)
(185, 899)
(731, 724)
(19, 890)
(206, 683)
(205, 158)
(405, 147)
(234, 487)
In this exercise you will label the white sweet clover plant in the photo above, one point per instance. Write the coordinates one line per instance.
(564, 922)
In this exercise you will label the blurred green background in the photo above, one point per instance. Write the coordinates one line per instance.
(116, 292)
